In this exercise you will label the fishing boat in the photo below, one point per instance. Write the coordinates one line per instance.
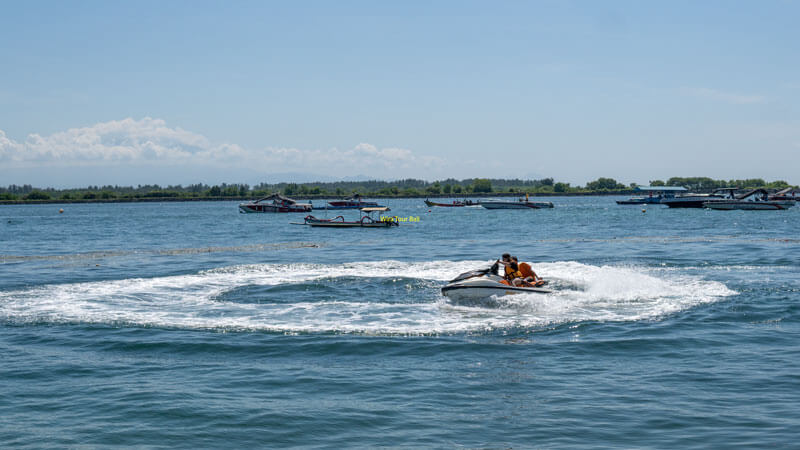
(455, 204)
(655, 195)
(693, 200)
(354, 202)
(275, 203)
(757, 199)
(521, 203)
(366, 221)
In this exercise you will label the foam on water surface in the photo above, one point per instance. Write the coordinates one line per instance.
(379, 297)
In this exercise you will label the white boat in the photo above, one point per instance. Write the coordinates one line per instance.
(481, 284)
(521, 203)
(755, 200)
(275, 203)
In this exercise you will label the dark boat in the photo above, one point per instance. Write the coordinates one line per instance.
(785, 194)
(275, 203)
(699, 200)
(655, 195)
(354, 202)
(455, 204)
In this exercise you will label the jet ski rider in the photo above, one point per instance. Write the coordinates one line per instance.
(519, 274)
(511, 269)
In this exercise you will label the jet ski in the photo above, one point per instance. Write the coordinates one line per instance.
(484, 283)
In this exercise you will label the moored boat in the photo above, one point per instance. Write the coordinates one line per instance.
(354, 202)
(519, 204)
(275, 203)
(755, 200)
(366, 221)
(785, 194)
(455, 204)
(699, 200)
(655, 195)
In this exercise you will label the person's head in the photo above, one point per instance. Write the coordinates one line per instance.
(514, 258)
(506, 257)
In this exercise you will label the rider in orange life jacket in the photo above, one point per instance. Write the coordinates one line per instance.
(518, 274)
(511, 269)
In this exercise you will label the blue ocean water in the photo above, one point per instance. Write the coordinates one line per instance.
(190, 325)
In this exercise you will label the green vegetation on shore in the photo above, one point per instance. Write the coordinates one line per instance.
(374, 188)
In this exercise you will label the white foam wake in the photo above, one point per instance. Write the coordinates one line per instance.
(585, 292)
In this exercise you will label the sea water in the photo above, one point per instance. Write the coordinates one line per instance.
(191, 325)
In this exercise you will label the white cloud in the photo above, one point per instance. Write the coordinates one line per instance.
(151, 141)
(728, 97)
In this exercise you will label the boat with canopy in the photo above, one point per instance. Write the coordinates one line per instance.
(454, 204)
(755, 200)
(354, 202)
(655, 194)
(275, 203)
(366, 221)
(521, 203)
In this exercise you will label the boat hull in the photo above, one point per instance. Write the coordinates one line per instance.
(267, 208)
(480, 288)
(685, 203)
(445, 205)
(516, 205)
(348, 205)
(640, 201)
(380, 224)
(750, 206)
(339, 222)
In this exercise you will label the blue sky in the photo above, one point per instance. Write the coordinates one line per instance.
(181, 92)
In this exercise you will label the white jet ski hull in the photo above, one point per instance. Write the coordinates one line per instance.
(482, 287)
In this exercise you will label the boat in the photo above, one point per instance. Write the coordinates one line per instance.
(693, 200)
(480, 284)
(366, 221)
(655, 195)
(275, 203)
(757, 199)
(785, 194)
(521, 203)
(354, 202)
(456, 203)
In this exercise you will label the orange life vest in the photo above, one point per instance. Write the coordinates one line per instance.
(511, 273)
(526, 270)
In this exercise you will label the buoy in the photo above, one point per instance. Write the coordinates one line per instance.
(644, 210)
(61, 211)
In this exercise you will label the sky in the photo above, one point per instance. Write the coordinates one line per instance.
(179, 92)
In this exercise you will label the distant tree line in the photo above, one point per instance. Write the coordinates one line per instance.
(400, 188)
(708, 184)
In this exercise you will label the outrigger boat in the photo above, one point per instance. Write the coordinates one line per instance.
(455, 204)
(366, 220)
(354, 202)
(521, 203)
(278, 204)
(484, 283)
(757, 199)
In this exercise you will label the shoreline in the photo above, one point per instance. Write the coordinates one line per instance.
(308, 197)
